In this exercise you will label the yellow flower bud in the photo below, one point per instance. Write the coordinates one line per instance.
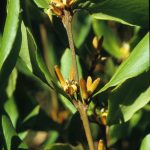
(83, 89)
(103, 116)
(59, 76)
(100, 145)
(95, 42)
(56, 11)
(89, 83)
(94, 86)
(75, 88)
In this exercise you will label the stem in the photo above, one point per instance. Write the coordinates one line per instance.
(67, 18)
(82, 108)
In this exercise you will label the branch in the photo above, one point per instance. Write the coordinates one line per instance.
(67, 19)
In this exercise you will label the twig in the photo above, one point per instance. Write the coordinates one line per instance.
(67, 19)
(82, 108)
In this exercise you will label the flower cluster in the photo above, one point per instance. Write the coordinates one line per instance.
(58, 6)
(71, 87)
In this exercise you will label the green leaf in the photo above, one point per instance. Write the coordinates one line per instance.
(10, 30)
(81, 26)
(24, 52)
(30, 61)
(111, 42)
(66, 65)
(49, 48)
(38, 65)
(12, 83)
(125, 11)
(102, 16)
(145, 143)
(128, 98)
(10, 62)
(42, 3)
(11, 109)
(110, 67)
(33, 113)
(8, 131)
(137, 62)
(118, 131)
(53, 136)
(12, 140)
(65, 70)
(0, 39)
(22, 67)
(68, 104)
(60, 146)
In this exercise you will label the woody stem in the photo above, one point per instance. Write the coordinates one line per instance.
(82, 108)
(67, 19)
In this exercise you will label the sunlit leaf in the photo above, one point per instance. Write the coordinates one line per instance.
(12, 110)
(10, 30)
(12, 83)
(0, 39)
(102, 16)
(33, 113)
(128, 98)
(51, 139)
(145, 143)
(38, 65)
(24, 52)
(42, 3)
(12, 140)
(66, 65)
(136, 63)
(124, 11)
(9, 62)
(67, 103)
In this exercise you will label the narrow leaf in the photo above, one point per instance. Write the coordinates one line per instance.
(145, 143)
(10, 30)
(11, 138)
(136, 63)
(128, 99)
(42, 3)
(124, 11)
(24, 52)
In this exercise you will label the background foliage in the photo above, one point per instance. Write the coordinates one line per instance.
(35, 112)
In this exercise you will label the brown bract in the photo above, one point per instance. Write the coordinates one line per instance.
(58, 6)
(70, 86)
(87, 88)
